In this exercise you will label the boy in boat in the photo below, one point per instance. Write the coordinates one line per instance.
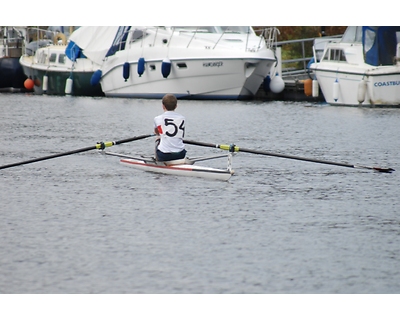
(170, 130)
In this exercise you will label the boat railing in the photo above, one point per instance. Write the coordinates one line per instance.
(36, 34)
(270, 35)
(12, 43)
(38, 38)
(247, 38)
(267, 35)
(297, 66)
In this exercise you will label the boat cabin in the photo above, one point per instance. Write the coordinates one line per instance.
(380, 46)
(52, 56)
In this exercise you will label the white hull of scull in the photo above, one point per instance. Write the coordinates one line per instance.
(180, 169)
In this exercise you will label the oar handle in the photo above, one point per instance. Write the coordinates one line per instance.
(99, 145)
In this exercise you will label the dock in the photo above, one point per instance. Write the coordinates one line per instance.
(294, 71)
(293, 91)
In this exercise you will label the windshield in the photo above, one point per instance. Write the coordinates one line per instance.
(352, 34)
(214, 29)
(233, 29)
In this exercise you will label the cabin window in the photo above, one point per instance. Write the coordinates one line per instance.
(42, 58)
(53, 57)
(335, 55)
(181, 65)
(61, 58)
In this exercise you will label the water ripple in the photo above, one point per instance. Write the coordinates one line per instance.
(85, 224)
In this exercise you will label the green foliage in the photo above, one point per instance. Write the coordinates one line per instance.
(297, 50)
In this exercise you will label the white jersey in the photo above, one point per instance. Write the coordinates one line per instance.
(171, 127)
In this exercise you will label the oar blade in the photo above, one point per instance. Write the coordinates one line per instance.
(233, 148)
(389, 170)
(386, 170)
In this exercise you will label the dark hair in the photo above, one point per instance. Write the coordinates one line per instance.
(169, 101)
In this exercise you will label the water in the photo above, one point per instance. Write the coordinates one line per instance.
(85, 224)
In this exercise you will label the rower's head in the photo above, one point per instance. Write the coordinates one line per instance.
(170, 102)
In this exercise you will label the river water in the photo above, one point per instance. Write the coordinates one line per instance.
(83, 223)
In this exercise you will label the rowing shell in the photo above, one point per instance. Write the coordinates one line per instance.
(183, 167)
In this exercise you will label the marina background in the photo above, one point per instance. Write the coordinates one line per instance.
(295, 43)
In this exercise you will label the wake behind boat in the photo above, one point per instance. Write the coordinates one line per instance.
(183, 167)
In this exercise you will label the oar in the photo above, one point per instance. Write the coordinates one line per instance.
(233, 148)
(99, 145)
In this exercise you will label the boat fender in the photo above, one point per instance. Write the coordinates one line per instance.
(45, 83)
(166, 67)
(315, 88)
(307, 87)
(277, 84)
(95, 79)
(37, 82)
(60, 38)
(335, 92)
(362, 90)
(68, 86)
(140, 66)
(266, 83)
(29, 84)
(125, 71)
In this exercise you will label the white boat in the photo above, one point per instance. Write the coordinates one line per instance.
(183, 167)
(190, 62)
(55, 67)
(361, 68)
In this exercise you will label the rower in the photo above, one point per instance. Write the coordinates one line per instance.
(169, 128)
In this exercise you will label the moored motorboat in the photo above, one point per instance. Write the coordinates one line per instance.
(183, 167)
(362, 68)
(190, 62)
(56, 70)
